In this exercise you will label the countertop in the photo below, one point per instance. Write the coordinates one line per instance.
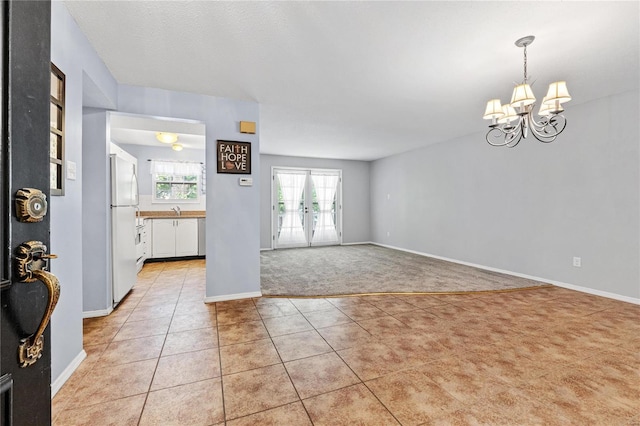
(170, 214)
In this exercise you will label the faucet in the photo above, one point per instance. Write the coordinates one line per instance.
(176, 209)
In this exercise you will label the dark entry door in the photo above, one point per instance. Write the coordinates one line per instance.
(24, 163)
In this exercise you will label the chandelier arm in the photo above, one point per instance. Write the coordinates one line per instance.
(517, 135)
(510, 134)
(547, 130)
(496, 133)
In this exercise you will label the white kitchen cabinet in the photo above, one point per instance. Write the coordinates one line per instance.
(174, 238)
(187, 237)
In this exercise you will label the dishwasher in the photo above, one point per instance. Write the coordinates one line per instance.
(202, 237)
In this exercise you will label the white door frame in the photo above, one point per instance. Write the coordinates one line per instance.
(274, 214)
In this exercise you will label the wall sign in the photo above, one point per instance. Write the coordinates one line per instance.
(234, 157)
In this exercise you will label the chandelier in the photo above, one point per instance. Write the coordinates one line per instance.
(514, 121)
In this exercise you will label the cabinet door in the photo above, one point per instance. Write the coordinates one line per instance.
(163, 238)
(187, 237)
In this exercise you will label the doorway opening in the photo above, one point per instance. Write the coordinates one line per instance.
(306, 207)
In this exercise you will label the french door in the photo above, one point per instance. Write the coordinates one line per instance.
(306, 207)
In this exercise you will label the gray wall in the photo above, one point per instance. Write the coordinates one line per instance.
(529, 209)
(233, 212)
(96, 214)
(75, 57)
(355, 194)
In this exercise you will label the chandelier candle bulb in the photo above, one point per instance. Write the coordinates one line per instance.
(508, 115)
(547, 108)
(512, 122)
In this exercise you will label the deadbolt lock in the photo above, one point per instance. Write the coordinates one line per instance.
(31, 205)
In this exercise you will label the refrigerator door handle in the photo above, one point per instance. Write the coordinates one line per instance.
(134, 188)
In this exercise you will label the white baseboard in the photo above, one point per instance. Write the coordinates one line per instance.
(634, 300)
(342, 244)
(225, 297)
(588, 290)
(98, 313)
(64, 376)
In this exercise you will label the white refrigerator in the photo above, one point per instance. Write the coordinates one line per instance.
(124, 202)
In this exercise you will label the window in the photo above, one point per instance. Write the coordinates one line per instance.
(176, 181)
(56, 134)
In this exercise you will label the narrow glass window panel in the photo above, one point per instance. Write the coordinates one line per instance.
(55, 118)
(54, 145)
(53, 176)
(56, 87)
(56, 136)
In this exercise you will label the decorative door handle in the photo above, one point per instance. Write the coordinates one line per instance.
(32, 261)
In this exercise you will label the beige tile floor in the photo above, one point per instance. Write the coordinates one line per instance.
(542, 357)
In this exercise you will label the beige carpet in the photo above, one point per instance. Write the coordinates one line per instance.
(338, 270)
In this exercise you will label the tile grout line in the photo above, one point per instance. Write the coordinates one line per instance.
(224, 404)
(146, 398)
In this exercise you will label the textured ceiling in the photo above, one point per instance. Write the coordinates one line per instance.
(364, 80)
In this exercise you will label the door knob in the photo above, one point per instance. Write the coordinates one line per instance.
(32, 260)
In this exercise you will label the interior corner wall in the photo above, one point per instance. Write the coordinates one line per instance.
(72, 53)
(529, 209)
(233, 211)
(355, 194)
(96, 221)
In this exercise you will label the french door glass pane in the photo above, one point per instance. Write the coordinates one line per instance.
(291, 208)
(324, 208)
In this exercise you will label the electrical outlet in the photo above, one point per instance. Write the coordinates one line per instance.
(388, 196)
(577, 262)
(388, 233)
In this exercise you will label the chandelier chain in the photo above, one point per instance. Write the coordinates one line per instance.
(525, 64)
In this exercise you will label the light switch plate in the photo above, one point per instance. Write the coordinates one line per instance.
(71, 170)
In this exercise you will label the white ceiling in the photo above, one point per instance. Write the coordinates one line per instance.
(364, 80)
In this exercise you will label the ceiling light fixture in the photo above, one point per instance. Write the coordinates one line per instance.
(165, 137)
(177, 147)
(512, 122)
